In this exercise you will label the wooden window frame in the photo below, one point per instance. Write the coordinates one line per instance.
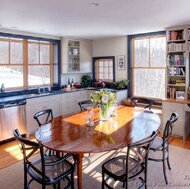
(144, 67)
(95, 59)
(25, 59)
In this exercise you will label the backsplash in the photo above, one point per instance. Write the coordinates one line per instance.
(76, 78)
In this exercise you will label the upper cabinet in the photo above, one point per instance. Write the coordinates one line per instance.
(76, 55)
(177, 60)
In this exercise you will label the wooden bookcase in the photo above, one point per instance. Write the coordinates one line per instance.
(178, 43)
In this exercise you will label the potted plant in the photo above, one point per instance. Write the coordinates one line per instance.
(86, 81)
(122, 84)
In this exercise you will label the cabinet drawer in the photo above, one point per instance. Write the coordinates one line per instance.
(168, 108)
(187, 108)
(38, 100)
(178, 128)
(69, 95)
(53, 98)
(80, 94)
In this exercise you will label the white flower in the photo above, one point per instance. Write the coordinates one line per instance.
(105, 98)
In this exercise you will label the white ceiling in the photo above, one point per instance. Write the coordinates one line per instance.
(77, 19)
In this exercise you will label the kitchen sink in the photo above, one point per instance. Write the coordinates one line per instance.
(39, 94)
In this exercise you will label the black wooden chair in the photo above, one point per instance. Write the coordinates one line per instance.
(125, 168)
(84, 104)
(140, 102)
(47, 170)
(161, 144)
(43, 116)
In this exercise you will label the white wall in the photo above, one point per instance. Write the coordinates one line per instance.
(112, 47)
(17, 32)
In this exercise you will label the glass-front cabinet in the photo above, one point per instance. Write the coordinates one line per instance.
(76, 55)
(70, 55)
(73, 56)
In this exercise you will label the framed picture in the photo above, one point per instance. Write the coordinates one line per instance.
(121, 62)
(180, 95)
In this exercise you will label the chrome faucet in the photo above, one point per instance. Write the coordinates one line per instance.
(43, 89)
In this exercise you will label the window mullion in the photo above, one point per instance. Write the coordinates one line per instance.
(25, 63)
(51, 64)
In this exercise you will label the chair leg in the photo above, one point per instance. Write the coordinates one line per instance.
(168, 161)
(102, 180)
(72, 181)
(25, 177)
(164, 167)
(145, 176)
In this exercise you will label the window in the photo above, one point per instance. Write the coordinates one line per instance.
(148, 66)
(103, 69)
(39, 63)
(11, 62)
(26, 62)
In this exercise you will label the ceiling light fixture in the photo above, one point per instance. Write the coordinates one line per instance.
(93, 4)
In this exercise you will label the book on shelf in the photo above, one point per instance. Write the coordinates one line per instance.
(176, 35)
(176, 60)
(176, 47)
(182, 71)
(178, 71)
(180, 82)
(188, 33)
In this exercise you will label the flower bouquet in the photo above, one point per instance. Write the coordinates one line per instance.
(104, 99)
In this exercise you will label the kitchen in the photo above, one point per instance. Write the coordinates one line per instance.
(99, 43)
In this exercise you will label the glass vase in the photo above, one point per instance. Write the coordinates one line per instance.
(104, 112)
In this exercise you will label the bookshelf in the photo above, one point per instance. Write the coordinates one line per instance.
(178, 48)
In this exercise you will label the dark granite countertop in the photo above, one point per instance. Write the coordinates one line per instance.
(55, 92)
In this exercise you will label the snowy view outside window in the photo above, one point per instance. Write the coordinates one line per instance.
(149, 66)
(24, 63)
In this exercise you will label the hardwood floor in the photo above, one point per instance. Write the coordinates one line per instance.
(10, 152)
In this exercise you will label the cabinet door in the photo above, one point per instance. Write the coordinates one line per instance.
(79, 96)
(86, 56)
(54, 102)
(32, 106)
(70, 55)
(121, 95)
(179, 125)
(67, 103)
(37, 104)
(64, 55)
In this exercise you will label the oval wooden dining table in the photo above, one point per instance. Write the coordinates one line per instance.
(72, 135)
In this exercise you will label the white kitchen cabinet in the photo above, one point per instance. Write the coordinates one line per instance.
(34, 105)
(86, 56)
(179, 128)
(76, 55)
(70, 101)
(121, 95)
(70, 55)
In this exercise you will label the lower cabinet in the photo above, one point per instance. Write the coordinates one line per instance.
(181, 127)
(121, 95)
(34, 105)
(70, 101)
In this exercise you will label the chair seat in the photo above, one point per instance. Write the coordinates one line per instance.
(116, 168)
(158, 144)
(54, 171)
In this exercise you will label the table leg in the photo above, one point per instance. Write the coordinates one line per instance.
(79, 170)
